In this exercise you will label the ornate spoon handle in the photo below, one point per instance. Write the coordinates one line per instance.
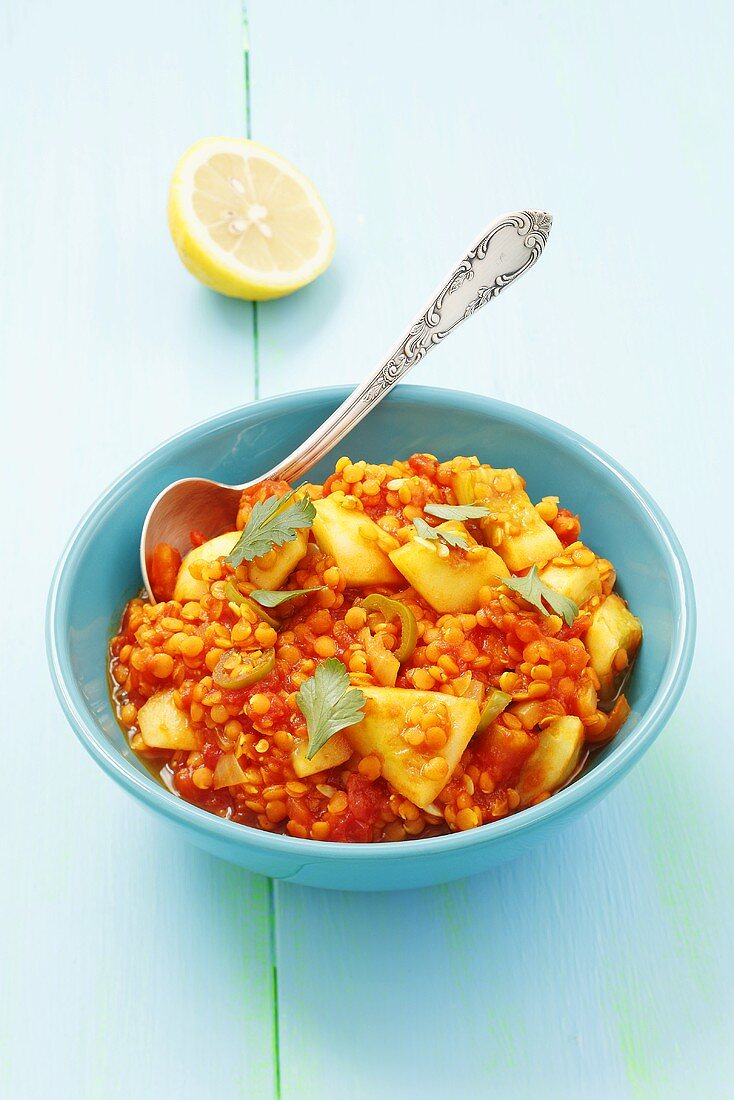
(509, 247)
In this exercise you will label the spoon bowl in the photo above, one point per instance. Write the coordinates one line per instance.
(191, 504)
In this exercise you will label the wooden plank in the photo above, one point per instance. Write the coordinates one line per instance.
(132, 964)
(601, 965)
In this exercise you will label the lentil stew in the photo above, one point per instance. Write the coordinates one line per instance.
(474, 647)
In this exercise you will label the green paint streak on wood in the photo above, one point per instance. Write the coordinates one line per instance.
(274, 990)
(256, 349)
(692, 878)
(258, 943)
(247, 78)
(456, 926)
(634, 999)
(630, 1000)
(246, 68)
(633, 1047)
(690, 873)
(267, 884)
(499, 1037)
(454, 900)
(643, 1042)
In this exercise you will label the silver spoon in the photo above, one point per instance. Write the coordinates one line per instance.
(505, 250)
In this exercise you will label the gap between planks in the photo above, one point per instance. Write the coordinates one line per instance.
(246, 75)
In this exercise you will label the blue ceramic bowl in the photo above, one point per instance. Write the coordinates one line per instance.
(98, 572)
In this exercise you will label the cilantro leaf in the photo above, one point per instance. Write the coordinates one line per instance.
(451, 538)
(532, 589)
(273, 522)
(274, 599)
(562, 605)
(454, 538)
(457, 511)
(424, 529)
(329, 703)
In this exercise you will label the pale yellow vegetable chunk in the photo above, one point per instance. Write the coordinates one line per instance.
(613, 629)
(449, 580)
(357, 544)
(228, 772)
(163, 726)
(382, 664)
(273, 569)
(336, 751)
(577, 582)
(418, 773)
(514, 528)
(270, 571)
(189, 587)
(554, 759)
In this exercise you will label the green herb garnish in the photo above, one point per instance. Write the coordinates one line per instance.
(329, 703)
(273, 522)
(275, 599)
(532, 589)
(451, 538)
(457, 511)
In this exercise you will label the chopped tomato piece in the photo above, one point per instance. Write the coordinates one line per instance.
(365, 798)
(567, 526)
(164, 568)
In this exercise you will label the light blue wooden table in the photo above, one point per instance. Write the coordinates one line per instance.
(601, 966)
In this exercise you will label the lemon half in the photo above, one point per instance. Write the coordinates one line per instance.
(246, 222)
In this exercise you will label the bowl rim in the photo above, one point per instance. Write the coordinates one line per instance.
(604, 775)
